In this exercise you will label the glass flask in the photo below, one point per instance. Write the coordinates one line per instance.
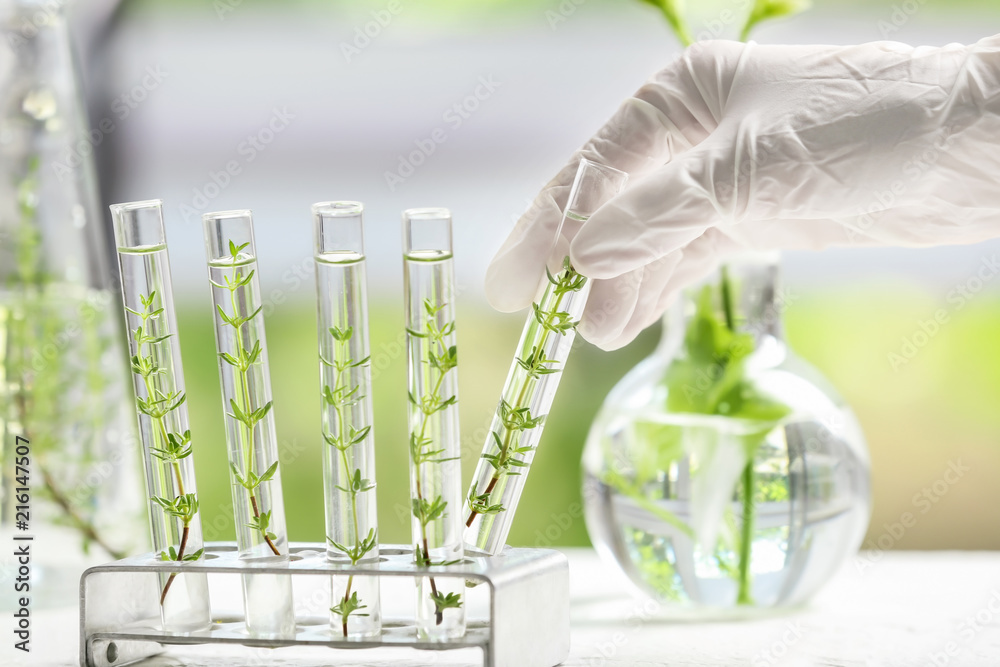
(723, 475)
(63, 366)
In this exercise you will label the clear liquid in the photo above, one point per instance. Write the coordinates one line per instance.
(430, 283)
(146, 275)
(253, 448)
(62, 386)
(671, 514)
(267, 600)
(348, 449)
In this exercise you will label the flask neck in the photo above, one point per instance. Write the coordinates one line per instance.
(742, 296)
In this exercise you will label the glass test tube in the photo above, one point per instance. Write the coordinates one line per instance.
(258, 506)
(435, 465)
(158, 378)
(534, 374)
(345, 390)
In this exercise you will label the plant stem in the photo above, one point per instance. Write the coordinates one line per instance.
(746, 535)
(439, 615)
(244, 383)
(727, 299)
(747, 487)
(256, 514)
(180, 551)
(339, 386)
(347, 596)
(81, 524)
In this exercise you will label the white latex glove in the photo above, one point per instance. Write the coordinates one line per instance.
(740, 146)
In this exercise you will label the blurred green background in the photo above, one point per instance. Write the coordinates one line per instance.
(940, 406)
(564, 66)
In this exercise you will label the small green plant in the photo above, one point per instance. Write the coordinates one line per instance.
(507, 457)
(168, 446)
(344, 437)
(760, 11)
(717, 349)
(243, 411)
(712, 344)
(349, 605)
(441, 360)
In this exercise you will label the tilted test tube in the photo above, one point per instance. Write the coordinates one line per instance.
(158, 378)
(534, 374)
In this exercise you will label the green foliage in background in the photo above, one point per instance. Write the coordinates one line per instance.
(939, 406)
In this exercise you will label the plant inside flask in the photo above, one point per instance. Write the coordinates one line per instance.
(710, 378)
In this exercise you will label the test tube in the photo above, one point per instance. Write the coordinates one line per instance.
(435, 465)
(241, 345)
(346, 397)
(158, 378)
(534, 374)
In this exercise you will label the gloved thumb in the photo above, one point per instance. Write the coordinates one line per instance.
(659, 214)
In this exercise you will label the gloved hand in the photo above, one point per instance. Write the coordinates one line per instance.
(741, 146)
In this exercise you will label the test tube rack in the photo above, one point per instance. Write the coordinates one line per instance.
(527, 624)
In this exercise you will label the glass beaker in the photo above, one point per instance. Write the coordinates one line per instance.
(723, 474)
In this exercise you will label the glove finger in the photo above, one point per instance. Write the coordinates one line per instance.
(659, 215)
(697, 260)
(615, 302)
(514, 274)
(801, 234)
(666, 117)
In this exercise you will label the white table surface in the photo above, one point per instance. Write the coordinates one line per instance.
(905, 609)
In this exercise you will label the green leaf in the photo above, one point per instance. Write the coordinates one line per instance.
(238, 414)
(444, 601)
(261, 412)
(195, 556)
(229, 359)
(481, 504)
(240, 282)
(269, 473)
(223, 315)
(672, 11)
(341, 335)
(426, 511)
(349, 606)
(431, 309)
(237, 474)
(358, 436)
(766, 10)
